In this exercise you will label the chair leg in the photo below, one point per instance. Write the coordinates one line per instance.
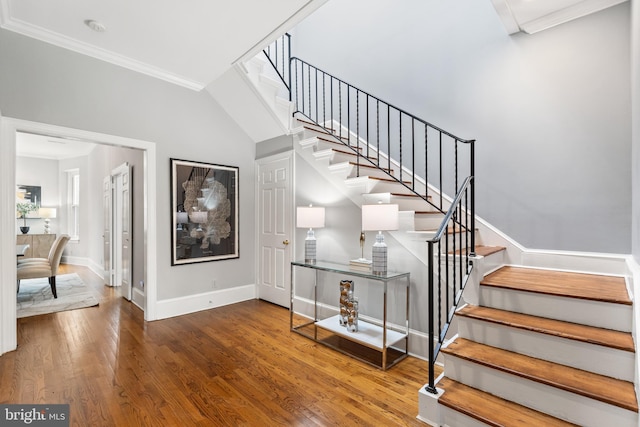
(18, 291)
(52, 282)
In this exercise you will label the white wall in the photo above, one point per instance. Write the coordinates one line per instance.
(47, 84)
(635, 96)
(43, 173)
(550, 111)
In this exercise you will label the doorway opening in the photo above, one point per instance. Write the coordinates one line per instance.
(10, 129)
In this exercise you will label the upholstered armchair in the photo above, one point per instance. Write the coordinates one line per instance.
(35, 268)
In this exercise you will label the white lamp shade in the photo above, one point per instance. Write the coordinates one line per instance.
(47, 213)
(380, 217)
(310, 217)
(198, 217)
(182, 217)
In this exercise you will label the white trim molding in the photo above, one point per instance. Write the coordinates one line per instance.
(204, 301)
(8, 129)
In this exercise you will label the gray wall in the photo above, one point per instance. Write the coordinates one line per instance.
(550, 111)
(44, 83)
(102, 160)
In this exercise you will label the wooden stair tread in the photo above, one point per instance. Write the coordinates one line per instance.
(351, 153)
(429, 213)
(371, 167)
(598, 387)
(450, 230)
(409, 195)
(340, 138)
(574, 285)
(492, 410)
(309, 122)
(482, 250)
(589, 334)
(387, 179)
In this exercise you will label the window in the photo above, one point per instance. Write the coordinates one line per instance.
(73, 203)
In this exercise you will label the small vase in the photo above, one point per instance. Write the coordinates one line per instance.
(24, 230)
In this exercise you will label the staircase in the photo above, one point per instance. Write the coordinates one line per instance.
(543, 348)
(540, 348)
(364, 183)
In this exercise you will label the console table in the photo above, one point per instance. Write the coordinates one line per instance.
(315, 313)
(39, 244)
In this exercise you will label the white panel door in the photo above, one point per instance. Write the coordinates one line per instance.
(122, 226)
(106, 233)
(275, 207)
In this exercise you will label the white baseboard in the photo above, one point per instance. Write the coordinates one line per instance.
(137, 297)
(85, 262)
(204, 301)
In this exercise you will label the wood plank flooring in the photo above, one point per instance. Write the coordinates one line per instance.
(237, 365)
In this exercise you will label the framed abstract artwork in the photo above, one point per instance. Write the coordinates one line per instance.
(204, 212)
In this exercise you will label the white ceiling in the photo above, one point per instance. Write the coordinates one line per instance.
(188, 42)
(47, 147)
(531, 16)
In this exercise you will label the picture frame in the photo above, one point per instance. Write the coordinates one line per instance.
(30, 194)
(204, 212)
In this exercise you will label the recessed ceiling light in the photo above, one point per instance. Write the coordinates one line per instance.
(95, 25)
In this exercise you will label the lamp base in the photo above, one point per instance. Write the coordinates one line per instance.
(379, 256)
(310, 248)
(46, 226)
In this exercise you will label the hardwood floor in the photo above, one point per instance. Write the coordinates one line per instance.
(237, 365)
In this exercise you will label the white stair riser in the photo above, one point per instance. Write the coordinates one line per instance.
(452, 418)
(586, 356)
(404, 203)
(430, 221)
(550, 400)
(347, 170)
(592, 313)
(335, 156)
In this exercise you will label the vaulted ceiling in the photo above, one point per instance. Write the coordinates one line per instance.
(189, 43)
(531, 16)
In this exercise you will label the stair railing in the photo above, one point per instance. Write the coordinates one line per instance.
(278, 54)
(446, 249)
(429, 161)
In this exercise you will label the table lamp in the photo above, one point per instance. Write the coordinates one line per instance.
(310, 217)
(181, 218)
(199, 217)
(380, 217)
(47, 214)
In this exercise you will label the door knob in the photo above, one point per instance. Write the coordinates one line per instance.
(285, 242)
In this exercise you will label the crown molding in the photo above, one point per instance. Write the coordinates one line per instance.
(551, 19)
(65, 42)
(570, 13)
(506, 16)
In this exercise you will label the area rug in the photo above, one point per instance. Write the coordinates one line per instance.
(35, 295)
